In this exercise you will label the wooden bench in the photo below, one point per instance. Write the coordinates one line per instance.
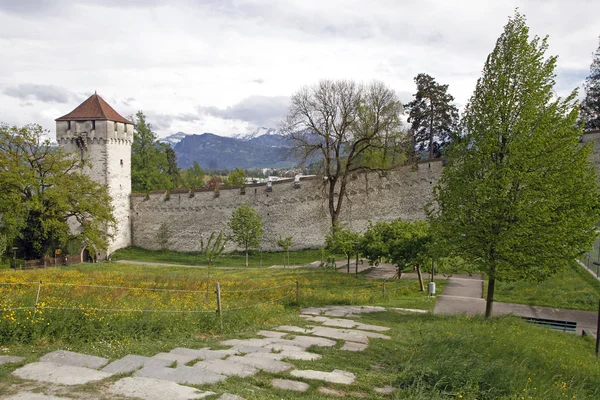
(561, 325)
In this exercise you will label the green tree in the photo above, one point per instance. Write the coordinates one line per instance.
(590, 106)
(338, 121)
(236, 177)
(42, 189)
(285, 244)
(246, 228)
(518, 198)
(149, 165)
(431, 114)
(193, 177)
(406, 244)
(343, 241)
(172, 170)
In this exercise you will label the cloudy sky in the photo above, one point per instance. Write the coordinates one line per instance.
(229, 66)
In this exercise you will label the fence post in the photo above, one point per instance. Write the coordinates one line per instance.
(219, 311)
(383, 289)
(37, 299)
(297, 293)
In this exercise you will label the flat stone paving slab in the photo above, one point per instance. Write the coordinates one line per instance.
(385, 390)
(268, 365)
(295, 329)
(344, 323)
(182, 375)
(204, 353)
(307, 341)
(155, 389)
(353, 346)
(227, 367)
(10, 359)
(287, 384)
(60, 374)
(181, 359)
(271, 334)
(336, 376)
(131, 363)
(64, 357)
(34, 396)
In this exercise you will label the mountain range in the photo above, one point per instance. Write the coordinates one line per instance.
(263, 148)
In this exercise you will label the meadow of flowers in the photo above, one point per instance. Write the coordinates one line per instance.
(114, 301)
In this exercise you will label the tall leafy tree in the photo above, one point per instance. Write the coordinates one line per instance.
(590, 106)
(339, 122)
(246, 228)
(193, 177)
(431, 114)
(149, 164)
(236, 177)
(518, 198)
(343, 241)
(43, 189)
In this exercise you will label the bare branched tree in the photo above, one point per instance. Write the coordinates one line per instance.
(340, 122)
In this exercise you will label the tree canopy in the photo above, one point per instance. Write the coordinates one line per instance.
(339, 122)
(193, 177)
(590, 106)
(236, 177)
(246, 228)
(153, 165)
(518, 197)
(42, 189)
(431, 114)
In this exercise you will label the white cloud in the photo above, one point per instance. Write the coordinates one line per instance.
(234, 58)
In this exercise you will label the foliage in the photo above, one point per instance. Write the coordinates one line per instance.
(338, 122)
(246, 228)
(42, 188)
(590, 106)
(518, 197)
(172, 170)
(343, 241)
(285, 244)
(214, 182)
(193, 177)
(3, 245)
(432, 115)
(406, 244)
(149, 164)
(213, 250)
(236, 177)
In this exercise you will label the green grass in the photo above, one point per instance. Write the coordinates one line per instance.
(573, 288)
(428, 357)
(235, 259)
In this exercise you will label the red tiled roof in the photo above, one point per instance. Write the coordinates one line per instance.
(94, 109)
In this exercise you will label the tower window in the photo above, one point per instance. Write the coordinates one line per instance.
(93, 125)
(121, 163)
(68, 124)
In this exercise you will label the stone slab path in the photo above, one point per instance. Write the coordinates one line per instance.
(464, 295)
(165, 375)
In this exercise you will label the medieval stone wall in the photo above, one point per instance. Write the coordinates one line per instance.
(286, 211)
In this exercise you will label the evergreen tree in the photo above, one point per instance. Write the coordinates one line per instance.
(149, 165)
(172, 168)
(590, 106)
(518, 198)
(431, 114)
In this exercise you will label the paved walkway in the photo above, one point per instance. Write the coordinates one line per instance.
(164, 376)
(464, 295)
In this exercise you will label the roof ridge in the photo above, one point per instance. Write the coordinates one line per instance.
(94, 108)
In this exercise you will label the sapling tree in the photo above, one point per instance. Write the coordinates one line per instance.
(213, 249)
(518, 198)
(343, 241)
(246, 228)
(285, 244)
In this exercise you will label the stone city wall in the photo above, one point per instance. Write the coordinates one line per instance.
(286, 211)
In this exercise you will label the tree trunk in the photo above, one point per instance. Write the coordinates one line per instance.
(420, 278)
(246, 257)
(348, 262)
(490, 296)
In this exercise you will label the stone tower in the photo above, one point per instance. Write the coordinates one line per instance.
(94, 130)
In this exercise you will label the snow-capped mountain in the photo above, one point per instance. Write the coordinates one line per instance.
(174, 138)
